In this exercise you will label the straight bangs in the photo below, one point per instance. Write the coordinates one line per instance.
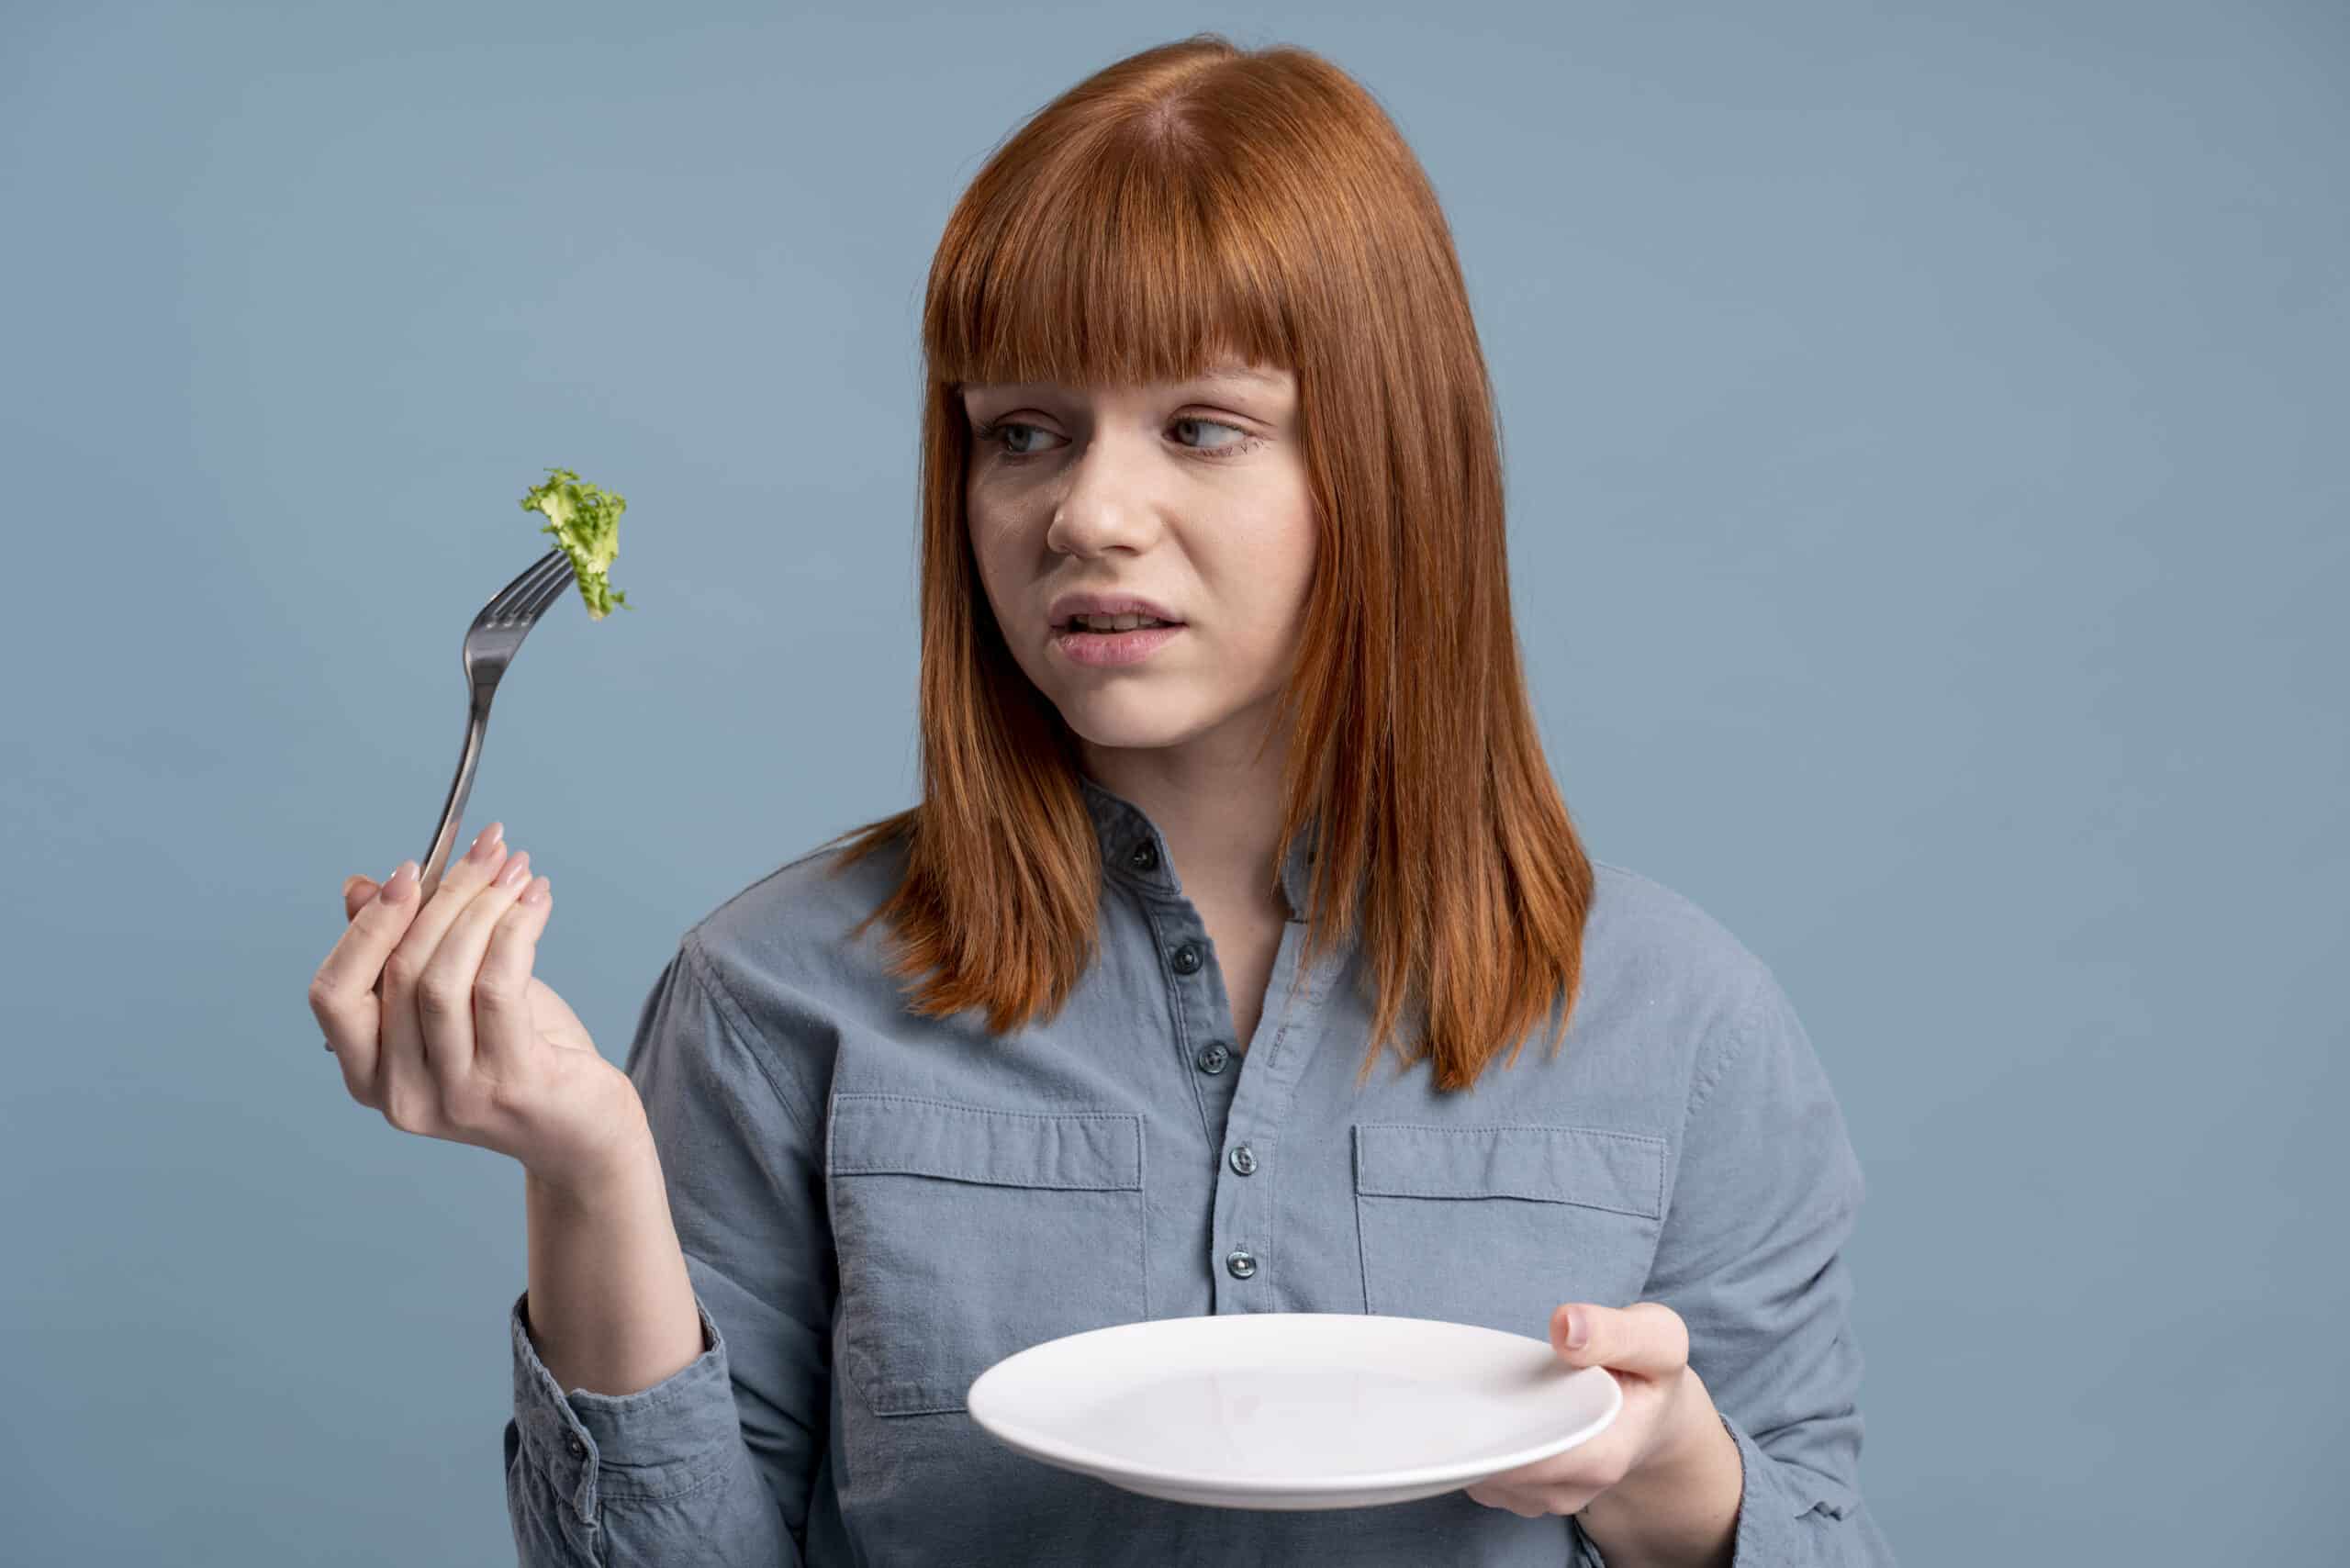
(1114, 259)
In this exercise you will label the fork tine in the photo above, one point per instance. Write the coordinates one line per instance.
(545, 594)
(532, 578)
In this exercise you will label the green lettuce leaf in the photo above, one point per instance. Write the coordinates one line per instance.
(587, 522)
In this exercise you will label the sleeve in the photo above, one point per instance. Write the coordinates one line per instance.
(1750, 1257)
(717, 1463)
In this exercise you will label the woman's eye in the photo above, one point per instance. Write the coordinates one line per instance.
(992, 435)
(1012, 424)
(1219, 424)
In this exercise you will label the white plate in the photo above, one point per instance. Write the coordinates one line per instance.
(1291, 1409)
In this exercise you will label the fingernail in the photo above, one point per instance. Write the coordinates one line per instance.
(515, 869)
(486, 844)
(397, 885)
(1578, 1329)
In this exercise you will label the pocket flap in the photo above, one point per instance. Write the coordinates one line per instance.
(1590, 1166)
(897, 1134)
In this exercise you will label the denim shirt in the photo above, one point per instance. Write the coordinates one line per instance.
(876, 1206)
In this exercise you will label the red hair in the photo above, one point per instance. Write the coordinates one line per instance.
(1191, 201)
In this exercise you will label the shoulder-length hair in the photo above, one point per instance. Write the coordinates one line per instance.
(1190, 201)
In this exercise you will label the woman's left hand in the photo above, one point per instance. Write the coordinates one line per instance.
(1646, 1347)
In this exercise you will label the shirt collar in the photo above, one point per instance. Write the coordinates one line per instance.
(1132, 847)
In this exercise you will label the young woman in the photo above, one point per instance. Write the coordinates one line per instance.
(1198, 978)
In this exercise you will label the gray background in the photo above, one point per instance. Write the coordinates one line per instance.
(1928, 535)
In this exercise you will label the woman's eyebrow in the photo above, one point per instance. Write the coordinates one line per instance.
(1241, 372)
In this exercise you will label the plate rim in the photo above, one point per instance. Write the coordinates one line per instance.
(1091, 1461)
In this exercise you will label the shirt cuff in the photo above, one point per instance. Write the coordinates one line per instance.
(654, 1443)
(1773, 1502)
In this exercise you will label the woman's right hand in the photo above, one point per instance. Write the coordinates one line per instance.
(440, 1025)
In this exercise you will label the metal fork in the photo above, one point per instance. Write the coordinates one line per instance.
(491, 642)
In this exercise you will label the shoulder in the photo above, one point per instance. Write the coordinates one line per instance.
(782, 963)
(757, 996)
(798, 924)
(1639, 925)
(1653, 957)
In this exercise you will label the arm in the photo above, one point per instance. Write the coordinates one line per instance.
(679, 1443)
(1767, 1191)
(611, 1307)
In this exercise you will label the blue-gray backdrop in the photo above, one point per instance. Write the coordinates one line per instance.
(1927, 538)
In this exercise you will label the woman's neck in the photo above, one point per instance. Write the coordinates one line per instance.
(1221, 816)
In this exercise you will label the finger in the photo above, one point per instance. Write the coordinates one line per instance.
(449, 992)
(357, 893)
(504, 1032)
(1594, 1465)
(343, 997)
(1509, 1498)
(1647, 1337)
(405, 1075)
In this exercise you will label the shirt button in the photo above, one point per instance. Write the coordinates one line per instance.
(1212, 1059)
(1187, 958)
(1241, 1263)
(1145, 857)
(578, 1447)
(1244, 1160)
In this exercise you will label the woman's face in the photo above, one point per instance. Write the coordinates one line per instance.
(1192, 495)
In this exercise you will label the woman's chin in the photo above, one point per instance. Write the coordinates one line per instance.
(1136, 722)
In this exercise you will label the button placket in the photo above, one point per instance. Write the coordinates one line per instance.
(1245, 1223)
(1242, 1223)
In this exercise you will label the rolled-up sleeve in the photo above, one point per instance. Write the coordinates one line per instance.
(1751, 1256)
(714, 1464)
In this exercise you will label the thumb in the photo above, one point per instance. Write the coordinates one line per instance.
(1647, 1337)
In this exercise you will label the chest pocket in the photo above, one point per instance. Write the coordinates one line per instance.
(964, 1234)
(1497, 1226)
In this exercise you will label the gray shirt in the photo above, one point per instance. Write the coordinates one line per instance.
(876, 1206)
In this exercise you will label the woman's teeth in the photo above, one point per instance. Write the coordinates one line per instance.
(1112, 622)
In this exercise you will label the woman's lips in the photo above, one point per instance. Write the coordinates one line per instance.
(1101, 649)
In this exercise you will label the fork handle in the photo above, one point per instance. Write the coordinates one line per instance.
(453, 812)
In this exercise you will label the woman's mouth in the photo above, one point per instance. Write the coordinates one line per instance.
(1099, 649)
